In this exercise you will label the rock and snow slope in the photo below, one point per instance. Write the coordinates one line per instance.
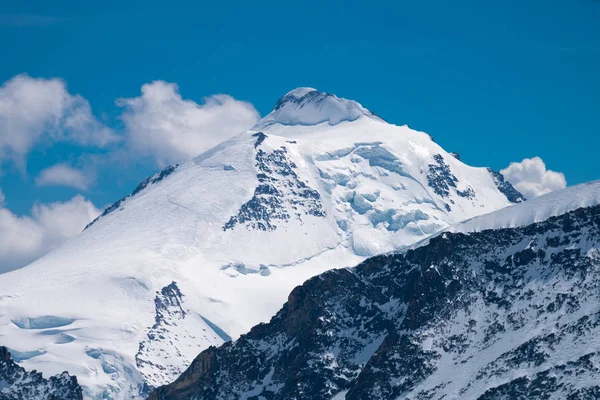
(204, 250)
(18, 384)
(508, 313)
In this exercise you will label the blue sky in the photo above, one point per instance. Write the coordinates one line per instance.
(496, 81)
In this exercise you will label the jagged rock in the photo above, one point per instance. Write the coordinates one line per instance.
(440, 177)
(499, 314)
(506, 188)
(18, 384)
(276, 175)
(173, 340)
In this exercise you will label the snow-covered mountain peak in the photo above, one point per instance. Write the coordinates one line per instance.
(308, 106)
(203, 250)
(300, 92)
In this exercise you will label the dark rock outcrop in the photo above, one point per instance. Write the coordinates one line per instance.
(500, 314)
(280, 195)
(18, 384)
(170, 343)
(440, 178)
(504, 186)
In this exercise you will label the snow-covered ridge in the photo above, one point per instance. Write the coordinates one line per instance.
(535, 210)
(204, 250)
(308, 106)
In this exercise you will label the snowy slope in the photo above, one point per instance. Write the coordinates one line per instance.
(535, 210)
(493, 315)
(204, 250)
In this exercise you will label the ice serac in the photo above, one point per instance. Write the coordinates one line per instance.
(510, 313)
(203, 250)
(18, 384)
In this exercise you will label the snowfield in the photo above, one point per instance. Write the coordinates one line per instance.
(535, 210)
(204, 250)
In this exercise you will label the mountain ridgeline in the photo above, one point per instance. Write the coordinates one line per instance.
(205, 249)
(498, 314)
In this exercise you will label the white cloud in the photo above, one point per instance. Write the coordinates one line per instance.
(161, 124)
(25, 238)
(532, 179)
(32, 110)
(64, 175)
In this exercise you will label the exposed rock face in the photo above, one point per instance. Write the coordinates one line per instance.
(512, 194)
(279, 194)
(169, 311)
(173, 340)
(440, 177)
(18, 384)
(500, 314)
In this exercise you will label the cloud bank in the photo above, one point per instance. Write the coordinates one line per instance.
(35, 110)
(164, 126)
(532, 179)
(25, 238)
(64, 175)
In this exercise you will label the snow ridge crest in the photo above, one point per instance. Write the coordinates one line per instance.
(308, 106)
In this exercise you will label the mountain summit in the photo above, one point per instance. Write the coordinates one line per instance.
(202, 251)
(308, 106)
